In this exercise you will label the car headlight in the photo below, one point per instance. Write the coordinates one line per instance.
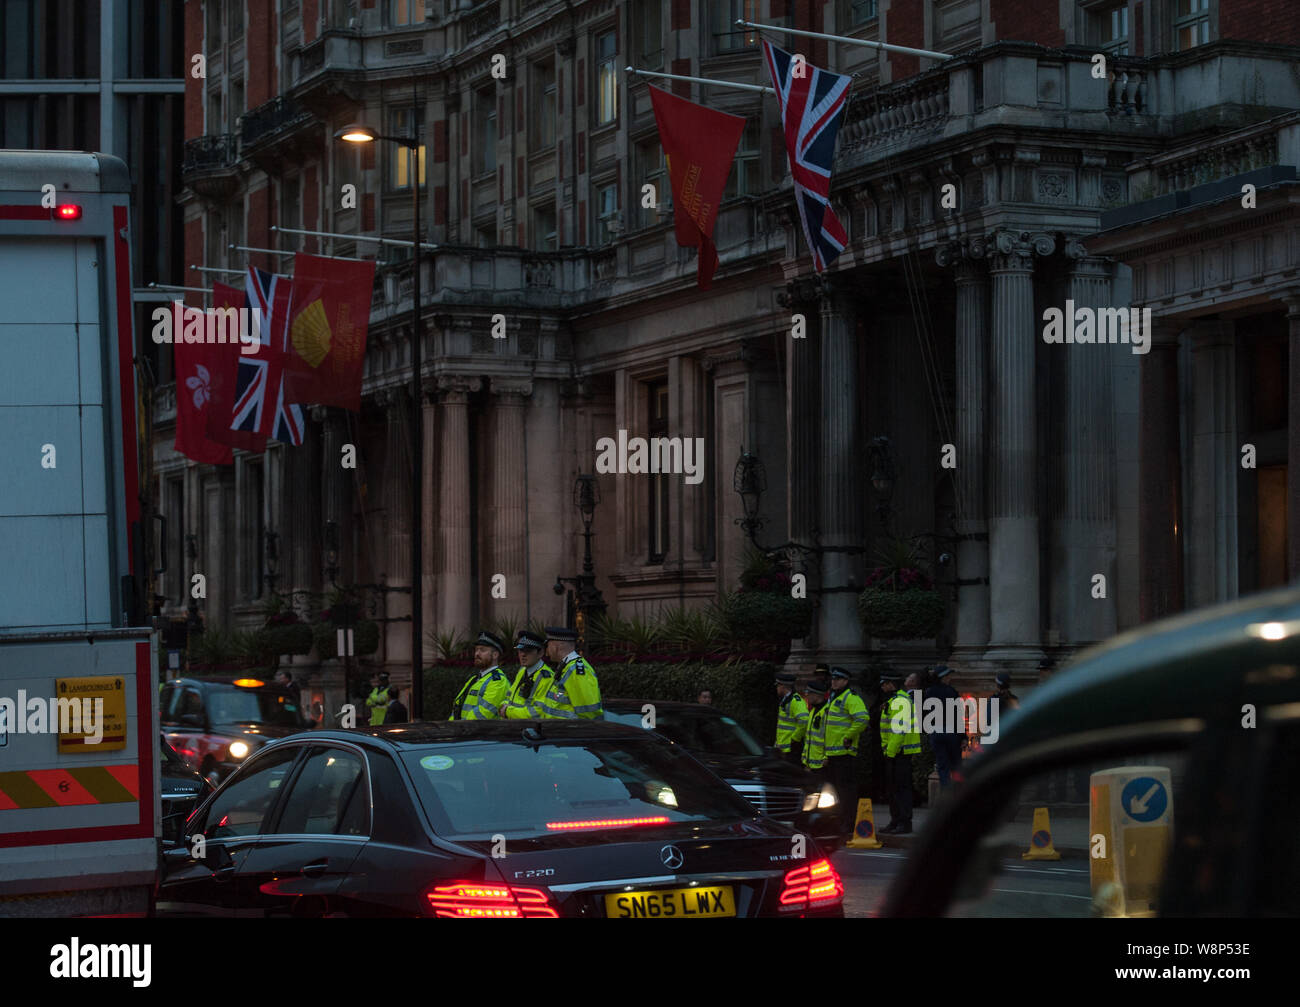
(238, 750)
(828, 798)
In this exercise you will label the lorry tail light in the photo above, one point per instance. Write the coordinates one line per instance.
(68, 211)
(813, 887)
(467, 900)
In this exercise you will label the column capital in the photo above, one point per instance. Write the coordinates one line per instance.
(1291, 298)
(1014, 251)
(456, 388)
(512, 391)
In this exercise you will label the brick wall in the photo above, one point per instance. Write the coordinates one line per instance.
(257, 233)
(1028, 21)
(681, 14)
(1260, 20)
(309, 11)
(259, 64)
(903, 24)
(193, 85)
(310, 204)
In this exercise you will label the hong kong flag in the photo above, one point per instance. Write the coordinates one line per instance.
(699, 144)
(328, 323)
(196, 363)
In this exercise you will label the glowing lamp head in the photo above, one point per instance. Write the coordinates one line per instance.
(355, 133)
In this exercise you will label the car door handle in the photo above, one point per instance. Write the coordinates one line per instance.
(223, 873)
(316, 868)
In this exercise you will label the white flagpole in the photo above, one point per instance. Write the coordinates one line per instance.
(928, 53)
(699, 80)
(211, 269)
(353, 237)
(267, 251)
(171, 286)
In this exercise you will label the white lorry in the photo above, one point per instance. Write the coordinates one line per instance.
(79, 759)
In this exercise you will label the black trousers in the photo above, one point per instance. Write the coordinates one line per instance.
(900, 788)
(842, 774)
(947, 756)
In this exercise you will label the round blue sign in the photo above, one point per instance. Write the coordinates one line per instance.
(1041, 839)
(1144, 798)
(864, 829)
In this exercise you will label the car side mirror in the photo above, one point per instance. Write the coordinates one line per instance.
(192, 719)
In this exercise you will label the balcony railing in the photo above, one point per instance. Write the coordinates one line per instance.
(480, 22)
(213, 152)
(270, 118)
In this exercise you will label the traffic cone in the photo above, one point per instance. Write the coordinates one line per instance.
(1041, 847)
(864, 829)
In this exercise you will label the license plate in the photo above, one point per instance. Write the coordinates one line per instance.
(678, 902)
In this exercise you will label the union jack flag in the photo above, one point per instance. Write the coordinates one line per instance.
(260, 378)
(812, 108)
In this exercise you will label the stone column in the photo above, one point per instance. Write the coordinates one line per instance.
(455, 588)
(803, 434)
(337, 488)
(1014, 581)
(398, 503)
(428, 542)
(840, 498)
(509, 499)
(1293, 440)
(972, 340)
(1160, 477)
(1089, 527)
(1214, 454)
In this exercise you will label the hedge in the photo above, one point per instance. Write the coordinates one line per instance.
(901, 615)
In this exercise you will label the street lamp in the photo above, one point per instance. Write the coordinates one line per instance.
(749, 480)
(360, 133)
(272, 560)
(332, 551)
(586, 495)
(882, 475)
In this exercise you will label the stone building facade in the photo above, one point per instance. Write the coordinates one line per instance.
(971, 189)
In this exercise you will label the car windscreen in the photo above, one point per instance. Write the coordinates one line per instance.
(699, 732)
(237, 706)
(480, 789)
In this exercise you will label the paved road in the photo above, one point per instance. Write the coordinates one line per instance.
(1018, 889)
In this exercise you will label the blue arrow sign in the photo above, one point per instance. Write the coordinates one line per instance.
(1144, 798)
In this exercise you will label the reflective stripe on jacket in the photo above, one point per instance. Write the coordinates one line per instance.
(846, 719)
(814, 746)
(573, 694)
(791, 722)
(523, 702)
(894, 741)
(378, 703)
(482, 697)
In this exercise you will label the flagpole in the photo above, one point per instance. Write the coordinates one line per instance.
(353, 237)
(212, 269)
(171, 286)
(699, 80)
(267, 251)
(928, 53)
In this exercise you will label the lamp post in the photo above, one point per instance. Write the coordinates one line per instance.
(882, 476)
(272, 560)
(357, 133)
(749, 480)
(586, 495)
(332, 551)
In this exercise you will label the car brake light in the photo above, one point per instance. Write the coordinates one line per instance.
(467, 900)
(69, 211)
(812, 887)
(608, 823)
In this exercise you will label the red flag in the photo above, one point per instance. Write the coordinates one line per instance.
(328, 324)
(700, 145)
(195, 365)
(224, 373)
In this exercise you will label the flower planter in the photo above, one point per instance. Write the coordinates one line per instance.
(287, 638)
(911, 614)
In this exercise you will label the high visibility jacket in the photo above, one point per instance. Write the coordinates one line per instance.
(523, 699)
(814, 745)
(897, 742)
(482, 696)
(574, 693)
(846, 719)
(791, 722)
(378, 703)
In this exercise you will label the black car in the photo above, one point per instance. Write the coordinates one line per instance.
(776, 787)
(489, 819)
(216, 723)
(181, 788)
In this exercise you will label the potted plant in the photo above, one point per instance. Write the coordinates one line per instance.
(343, 611)
(761, 613)
(900, 601)
(283, 632)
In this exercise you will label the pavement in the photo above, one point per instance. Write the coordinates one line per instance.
(1069, 826)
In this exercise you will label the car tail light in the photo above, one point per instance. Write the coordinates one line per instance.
(813, 887)
(609, 823)
(467, 900)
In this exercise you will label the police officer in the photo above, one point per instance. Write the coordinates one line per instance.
(814, 746)
(791, 719)
(846, 719)
(481, 698)
(378, 698)
(946, 744)
(1007, 700)
(532, 680)
(574, 693)
(900, 741)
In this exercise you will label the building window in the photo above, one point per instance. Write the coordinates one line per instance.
(237, 99)
(1192, 24)
(291, 205)
(485, 131)
(485, 236)
(406, 12)
(177, 575)
(542, 94)
(650, 170)
(214, 39)
(743, 180)
(216, 122)
(606, 79)
(1110, 29)
(726, 36)
(657, 401)
(236, 20)
(544, 235)
(861, 11)
(606, 205)
(647, 18)
(402, 120)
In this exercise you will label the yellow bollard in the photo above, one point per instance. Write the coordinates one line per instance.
(864, 829)
(1041, 847)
